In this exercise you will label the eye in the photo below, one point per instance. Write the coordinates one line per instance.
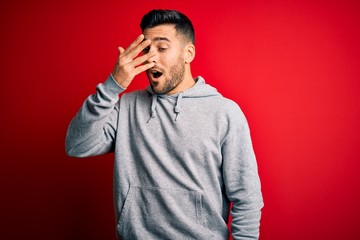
(146, 50)
(162, 49)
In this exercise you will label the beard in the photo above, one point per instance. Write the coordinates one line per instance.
(177, 73)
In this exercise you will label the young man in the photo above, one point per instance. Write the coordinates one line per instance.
(183, 152)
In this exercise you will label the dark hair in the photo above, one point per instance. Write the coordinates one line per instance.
(157, 17)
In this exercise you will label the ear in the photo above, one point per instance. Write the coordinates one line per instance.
(189, 53)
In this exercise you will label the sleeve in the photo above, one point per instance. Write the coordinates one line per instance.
(241, 178)
(92, 131)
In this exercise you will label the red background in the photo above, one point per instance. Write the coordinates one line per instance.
(292, 66)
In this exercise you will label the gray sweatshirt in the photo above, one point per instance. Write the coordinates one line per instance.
(180, 160)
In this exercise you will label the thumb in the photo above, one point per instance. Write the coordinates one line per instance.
(121, 50)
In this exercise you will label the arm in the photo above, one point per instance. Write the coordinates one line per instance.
(241, 179)
(92, 131)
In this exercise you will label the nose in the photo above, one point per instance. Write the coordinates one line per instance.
(153, 56)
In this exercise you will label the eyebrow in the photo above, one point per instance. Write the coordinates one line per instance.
(160, 39)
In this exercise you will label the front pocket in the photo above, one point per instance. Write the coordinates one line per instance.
(159, 213)
(127, 204)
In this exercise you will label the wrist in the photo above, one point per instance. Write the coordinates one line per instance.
(122, 85)
(113, 87)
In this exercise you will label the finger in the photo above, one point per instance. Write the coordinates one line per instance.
(135, 43)
(136, 50)
(143, 68)
(142, 59)
(121, 50)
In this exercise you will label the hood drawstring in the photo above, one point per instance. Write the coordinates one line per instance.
(153, 107)
(199, 90)
(177, 108)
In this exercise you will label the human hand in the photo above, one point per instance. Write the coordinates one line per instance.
(129, 65)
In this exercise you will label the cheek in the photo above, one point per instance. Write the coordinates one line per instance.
(171, 60)
(174, 53)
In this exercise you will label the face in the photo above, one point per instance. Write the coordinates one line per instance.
(168, 73)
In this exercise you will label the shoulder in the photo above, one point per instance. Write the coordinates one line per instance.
(230, 114)
(229, 107)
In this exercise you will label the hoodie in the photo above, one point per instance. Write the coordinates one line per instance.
(180, 160)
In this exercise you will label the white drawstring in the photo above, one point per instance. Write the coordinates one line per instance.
(153, 107)
(177, 108)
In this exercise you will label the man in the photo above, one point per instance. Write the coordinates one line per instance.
(183, 152)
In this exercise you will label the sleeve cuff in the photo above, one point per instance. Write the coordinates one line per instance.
(114, 88)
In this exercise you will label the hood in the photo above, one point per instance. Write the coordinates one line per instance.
(199, 90)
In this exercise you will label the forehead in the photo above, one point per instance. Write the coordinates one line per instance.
(165, 32)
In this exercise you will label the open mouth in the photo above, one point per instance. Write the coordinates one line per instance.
(156, 74)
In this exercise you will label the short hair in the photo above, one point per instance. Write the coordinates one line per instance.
(157, 17)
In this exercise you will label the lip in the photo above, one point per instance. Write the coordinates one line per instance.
(151, 77)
